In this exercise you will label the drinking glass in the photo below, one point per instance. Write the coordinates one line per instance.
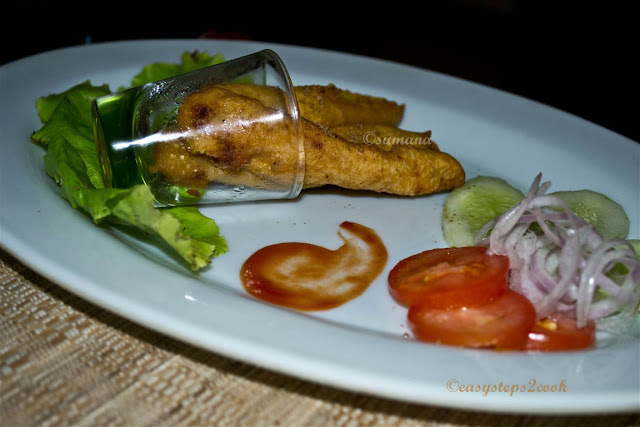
(226, 133)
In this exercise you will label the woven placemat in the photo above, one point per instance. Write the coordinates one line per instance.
(64, 361)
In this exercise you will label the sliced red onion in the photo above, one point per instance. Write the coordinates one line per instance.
(566, 266)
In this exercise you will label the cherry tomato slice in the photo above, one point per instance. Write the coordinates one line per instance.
(449, 277)
(503, 323)
(560, 333)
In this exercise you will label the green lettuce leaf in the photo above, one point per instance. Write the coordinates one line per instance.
(190, 61)
(68, 135)
(71, 159)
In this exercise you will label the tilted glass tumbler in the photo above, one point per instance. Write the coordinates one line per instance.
(228, 132)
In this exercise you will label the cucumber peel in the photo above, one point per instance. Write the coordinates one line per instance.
(467, 208)
(636, 245)
(605, 215)
(480, 199)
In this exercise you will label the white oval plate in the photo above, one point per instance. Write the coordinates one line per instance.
(359, 346)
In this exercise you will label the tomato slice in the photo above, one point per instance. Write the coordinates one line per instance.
(560, 333)
(503, 323)
(449, 277)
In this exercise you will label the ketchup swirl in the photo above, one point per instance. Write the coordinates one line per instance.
(309, 277)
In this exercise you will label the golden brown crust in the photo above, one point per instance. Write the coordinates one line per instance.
(403, 170)
(227, 139)
(330, 106)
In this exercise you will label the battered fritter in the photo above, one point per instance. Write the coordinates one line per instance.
(328, 105)
(229, 138)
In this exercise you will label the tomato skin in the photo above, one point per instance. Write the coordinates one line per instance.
(560, 333)
(457, 277)
(503, 323)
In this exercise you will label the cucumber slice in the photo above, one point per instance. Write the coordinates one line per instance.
(469, 207)
(605, 215)
(636, 245)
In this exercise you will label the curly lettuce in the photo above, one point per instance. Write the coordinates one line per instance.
(71, 159)
(189, 61)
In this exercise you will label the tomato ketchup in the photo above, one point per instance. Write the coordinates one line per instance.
(308, 277)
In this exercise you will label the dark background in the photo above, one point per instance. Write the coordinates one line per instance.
(579, 57)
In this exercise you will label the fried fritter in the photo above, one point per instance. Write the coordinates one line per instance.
(328, 105)
(407, 170)
(229, 138)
